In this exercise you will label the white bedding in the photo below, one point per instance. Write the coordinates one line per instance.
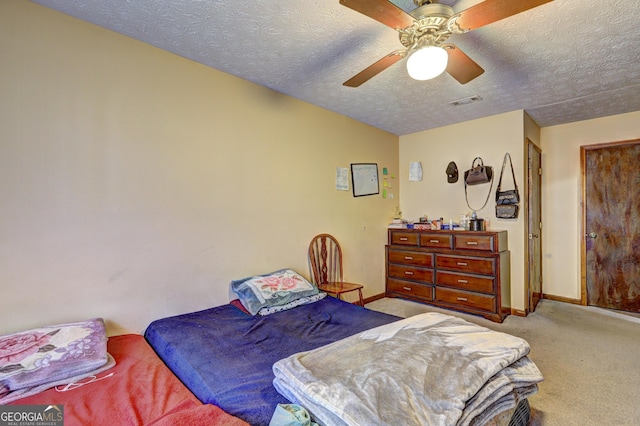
(430, 369)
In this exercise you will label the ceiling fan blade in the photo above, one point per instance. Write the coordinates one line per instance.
(382, 11)
(460, 66)
(376, 68)
(490, 11)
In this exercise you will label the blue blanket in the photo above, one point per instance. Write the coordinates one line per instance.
(225, 356)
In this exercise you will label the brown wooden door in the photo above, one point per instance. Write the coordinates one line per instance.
(611, 208)
(534, 224)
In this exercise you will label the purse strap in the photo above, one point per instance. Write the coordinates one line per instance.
(504, 162)
(466, 197)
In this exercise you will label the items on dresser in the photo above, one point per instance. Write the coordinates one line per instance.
(398, 224)
(464, 270)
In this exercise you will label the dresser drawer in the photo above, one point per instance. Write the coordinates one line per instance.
(475, 265)
(474, 242)
(436, 240)
(411, 273)
(404, 238)
(465, 298)
(465, 281)
(411, 258)
(411, 289)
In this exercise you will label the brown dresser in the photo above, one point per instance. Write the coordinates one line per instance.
(463, 270)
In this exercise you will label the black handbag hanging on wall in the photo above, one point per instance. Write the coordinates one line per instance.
(507, 202)
(476, 175)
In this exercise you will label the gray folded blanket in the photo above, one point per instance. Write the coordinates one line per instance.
(430, 369)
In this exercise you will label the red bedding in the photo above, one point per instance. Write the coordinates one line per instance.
(139, 390)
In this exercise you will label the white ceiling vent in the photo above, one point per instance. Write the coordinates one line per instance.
(465, 101)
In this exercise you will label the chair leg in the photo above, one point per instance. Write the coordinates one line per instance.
(361, 299)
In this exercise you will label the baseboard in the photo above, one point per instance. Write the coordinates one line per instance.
(374, 298)
(516, 312)
(561, 299)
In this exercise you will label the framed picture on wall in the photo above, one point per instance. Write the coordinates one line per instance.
(364, 177)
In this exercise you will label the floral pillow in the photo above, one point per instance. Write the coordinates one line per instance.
(274, 289)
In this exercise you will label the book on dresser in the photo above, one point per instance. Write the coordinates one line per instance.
(468, 271)
(398, 225)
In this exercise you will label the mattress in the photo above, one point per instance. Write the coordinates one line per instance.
(138, 390)
(225, 356)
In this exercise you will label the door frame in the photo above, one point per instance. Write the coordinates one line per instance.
(533, 204)
(583, 201)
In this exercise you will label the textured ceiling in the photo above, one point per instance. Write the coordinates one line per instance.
(564, 61)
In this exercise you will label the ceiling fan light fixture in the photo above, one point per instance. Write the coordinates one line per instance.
(427, 63)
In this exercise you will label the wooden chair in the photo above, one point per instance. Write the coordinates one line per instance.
(325, 262)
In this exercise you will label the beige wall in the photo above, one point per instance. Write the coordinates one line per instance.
(488, 138)
(561, 196)
(135, 184)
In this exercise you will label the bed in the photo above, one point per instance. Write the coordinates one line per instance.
(226, 355)
(138, 390)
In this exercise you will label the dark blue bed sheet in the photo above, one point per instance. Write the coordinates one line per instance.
(225, 356)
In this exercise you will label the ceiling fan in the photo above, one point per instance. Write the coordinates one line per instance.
(424, 31)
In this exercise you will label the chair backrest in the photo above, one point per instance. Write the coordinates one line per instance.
(325, 259)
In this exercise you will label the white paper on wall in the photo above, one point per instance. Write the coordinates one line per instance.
(342, 178)
(415, 171)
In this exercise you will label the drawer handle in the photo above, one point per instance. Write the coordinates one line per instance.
(463, 281)
(408, 273)
(408, 258)
(472, 243)
(463, 264)
(407, 288)
(403, 238)
(434, 241)
(462, 299)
